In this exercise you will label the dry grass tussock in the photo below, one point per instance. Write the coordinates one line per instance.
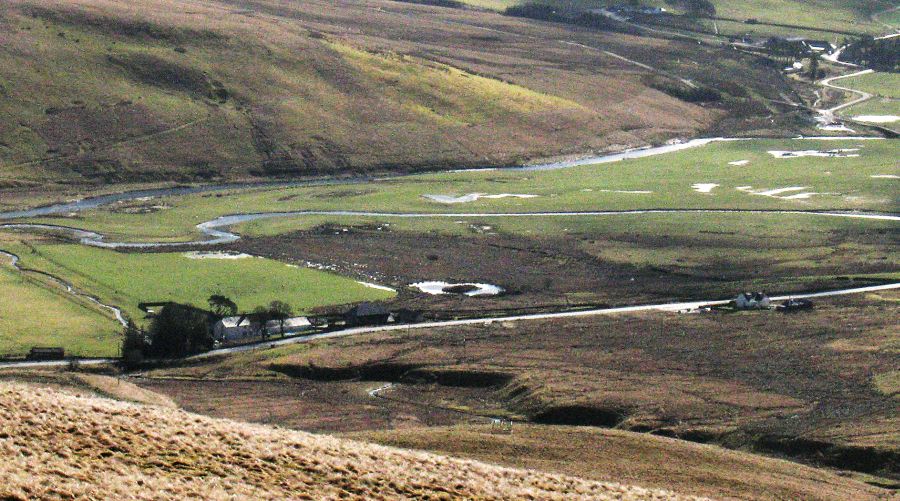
(57, 445)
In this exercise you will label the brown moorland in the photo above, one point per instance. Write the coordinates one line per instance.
(816, 386)
(622, 456)
(618, 265)
(61, 446)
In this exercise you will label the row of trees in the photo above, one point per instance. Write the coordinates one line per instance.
(881, 55)
(179, 330)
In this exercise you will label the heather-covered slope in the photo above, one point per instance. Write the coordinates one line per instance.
(59, 446)
(111, 91)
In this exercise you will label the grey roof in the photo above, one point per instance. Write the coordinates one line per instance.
(368, 310)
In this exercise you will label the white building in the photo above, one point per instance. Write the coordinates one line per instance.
(291, 326)
(752, 301)
(234, 329)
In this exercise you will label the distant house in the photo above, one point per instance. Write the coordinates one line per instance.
(752, 301)
(367, 314)
(235, 328)
(291, 325)
(820, 46)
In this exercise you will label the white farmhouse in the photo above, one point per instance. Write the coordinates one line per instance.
(291, 326)
(234, 329)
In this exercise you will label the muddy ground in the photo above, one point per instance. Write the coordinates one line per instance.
(549, 272)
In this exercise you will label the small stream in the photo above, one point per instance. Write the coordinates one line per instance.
(215, 233)
(14, 262)
(99, 201)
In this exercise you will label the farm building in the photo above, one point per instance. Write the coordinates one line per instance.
(752, 301)
(234, 328)
(291, 325)
(367, 314)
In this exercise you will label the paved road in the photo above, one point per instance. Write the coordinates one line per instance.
(665, 307)
(863, 96)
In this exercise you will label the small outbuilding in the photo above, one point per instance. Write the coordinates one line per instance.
(291, 325)
(367, 314)
(235, 329)
(752, 301)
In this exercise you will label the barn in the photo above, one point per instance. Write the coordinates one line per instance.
(291, 325)
(234, 329)
(367, 314)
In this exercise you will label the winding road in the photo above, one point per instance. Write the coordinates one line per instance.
(863, 96)
(663, 307)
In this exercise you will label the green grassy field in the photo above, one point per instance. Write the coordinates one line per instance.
(128, 279)
(879, 84)
(832, 183)
(874, 106)
(37, 313)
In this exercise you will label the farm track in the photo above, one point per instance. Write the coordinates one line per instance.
(863, 96)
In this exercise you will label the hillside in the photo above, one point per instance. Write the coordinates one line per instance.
(59, 446)
(626, 457)
(101, 91)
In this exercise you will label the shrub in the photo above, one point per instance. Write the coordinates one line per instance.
(179, 330)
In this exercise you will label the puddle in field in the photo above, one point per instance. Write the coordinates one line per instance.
(885, 176)
(216, 255)
(704, 187)
(782, 193)
(838, 153)
(878, 119)
(465, 289)
(472, 197)
(739, 163)
(376, 286)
